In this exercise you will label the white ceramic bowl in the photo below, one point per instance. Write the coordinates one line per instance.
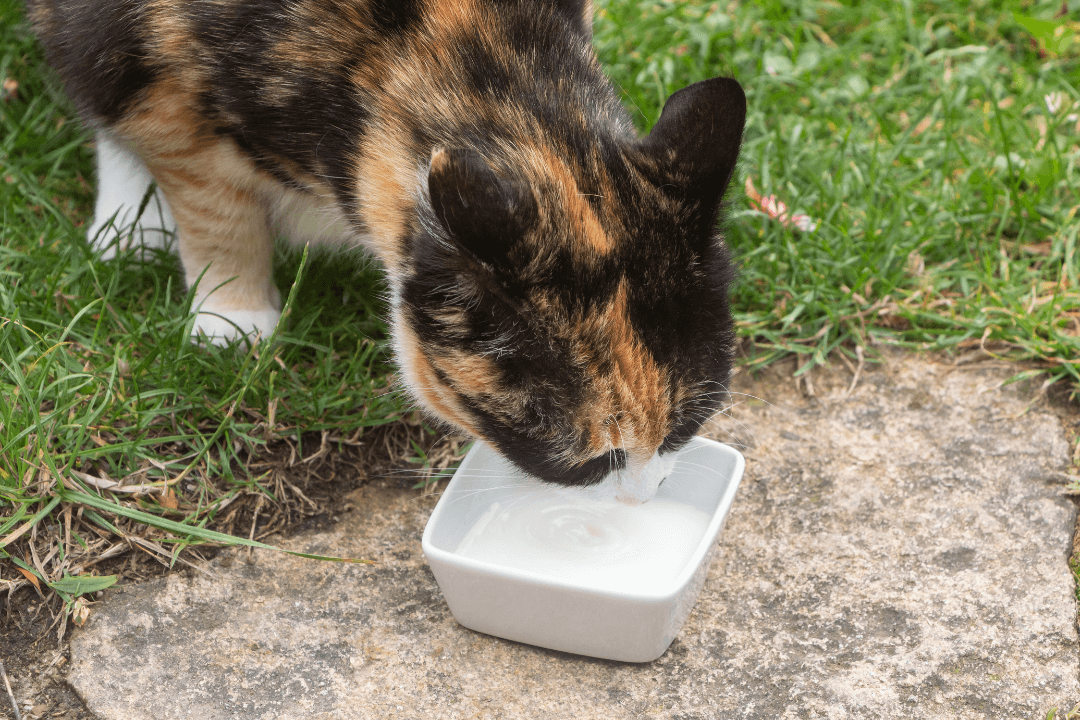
(575, 613)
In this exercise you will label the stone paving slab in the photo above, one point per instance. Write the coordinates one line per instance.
(898, 553)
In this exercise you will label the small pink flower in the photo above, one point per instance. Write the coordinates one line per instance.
(775, 208)
(804, 223)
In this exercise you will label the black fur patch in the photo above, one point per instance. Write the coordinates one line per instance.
(396, 15)
(321, 121)
(99, 50)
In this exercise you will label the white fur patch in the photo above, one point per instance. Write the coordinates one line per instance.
(302, 218)
(637, 485)
(123, 181)
(222, 327)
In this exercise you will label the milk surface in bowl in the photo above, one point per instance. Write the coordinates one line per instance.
(603, 544)
(538, 564)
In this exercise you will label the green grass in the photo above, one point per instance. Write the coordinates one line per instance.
(917, 136)
(98, 376)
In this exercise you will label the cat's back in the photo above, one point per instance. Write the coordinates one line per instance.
(299, 85)
(109, 52)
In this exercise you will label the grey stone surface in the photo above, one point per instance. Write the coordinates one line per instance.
(898, 553)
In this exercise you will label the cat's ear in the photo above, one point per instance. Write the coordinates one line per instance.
(483, 212)
(580, 13)
(695, 143)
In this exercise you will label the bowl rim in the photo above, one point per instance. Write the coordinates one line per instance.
(667, 593)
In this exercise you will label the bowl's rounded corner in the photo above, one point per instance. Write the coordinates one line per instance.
(644, 658)
(431, 550)
(425, 542)
(654, 658)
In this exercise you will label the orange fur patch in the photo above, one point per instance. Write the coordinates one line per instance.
(473, 375)
(447, 18)
(635, 414)
(584, 226)
(384, 189)
(425, 383)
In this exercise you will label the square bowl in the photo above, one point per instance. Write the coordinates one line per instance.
(518, 591)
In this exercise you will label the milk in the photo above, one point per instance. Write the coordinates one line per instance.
(599, 544)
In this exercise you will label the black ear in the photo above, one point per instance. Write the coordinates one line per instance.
(695, 143)
(580, 13)
(484, 213)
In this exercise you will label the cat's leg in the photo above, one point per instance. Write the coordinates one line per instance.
(225, 243)
(123, 182)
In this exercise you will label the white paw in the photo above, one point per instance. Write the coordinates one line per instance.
(222, 327)
(123, 182)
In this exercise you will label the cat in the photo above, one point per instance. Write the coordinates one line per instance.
(558, 285)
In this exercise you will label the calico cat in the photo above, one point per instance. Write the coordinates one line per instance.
(558, 285)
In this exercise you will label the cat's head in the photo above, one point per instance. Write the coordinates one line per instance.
(572, 310)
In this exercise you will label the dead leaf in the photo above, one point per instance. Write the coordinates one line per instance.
(80, 611)
(1042, 248)
(11, 88)
(31, 577)
(915, 265)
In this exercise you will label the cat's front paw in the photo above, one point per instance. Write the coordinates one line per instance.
(220, 327)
